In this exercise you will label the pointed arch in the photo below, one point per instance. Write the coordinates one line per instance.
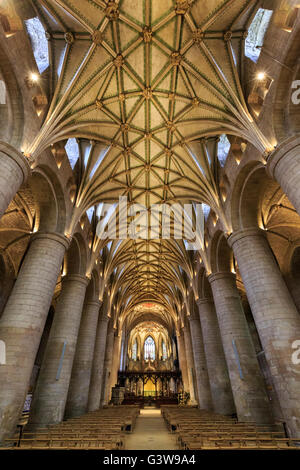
(149, 348)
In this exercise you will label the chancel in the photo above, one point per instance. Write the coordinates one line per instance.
(149, 374)
(149, 224)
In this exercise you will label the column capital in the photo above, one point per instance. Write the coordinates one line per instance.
(104, 317)
(193, 316)
(18, 158)
(59, 238)
(247, 232)
(95, 302)
(205, 300)
(280, 152)
(76, 278)
(221, 275)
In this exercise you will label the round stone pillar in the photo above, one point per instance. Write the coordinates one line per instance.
(276, 317)
(106, 390)
(96, 383)
(284, 166)
(190, 362)
(215, 359)
(124, 352)
(247, 383)
(78, 394)
(23, 321)
(49, 400)
(14, 172)
(182, 361)
(116, 360)
(203, 385)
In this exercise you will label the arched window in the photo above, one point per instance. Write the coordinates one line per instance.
(223, 149)
(164, 351)
(134, 351)
(72, 150)
(256, 33)
(39, 42)
(149, 349)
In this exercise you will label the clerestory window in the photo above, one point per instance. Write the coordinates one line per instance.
(39, 43)
(256, 33)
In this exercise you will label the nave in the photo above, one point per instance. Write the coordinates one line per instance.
(169, 428)
(151, 433)
(150, 223)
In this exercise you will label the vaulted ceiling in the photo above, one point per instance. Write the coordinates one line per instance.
(146, 87)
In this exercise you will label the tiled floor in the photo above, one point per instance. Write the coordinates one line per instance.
(151, 433)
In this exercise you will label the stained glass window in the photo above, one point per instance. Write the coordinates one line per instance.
(134, 350)
(149, 349)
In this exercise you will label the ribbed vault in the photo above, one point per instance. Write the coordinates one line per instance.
(146, 87)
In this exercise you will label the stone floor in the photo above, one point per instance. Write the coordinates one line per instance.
(150, 433)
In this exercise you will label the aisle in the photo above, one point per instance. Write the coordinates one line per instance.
(150, 433)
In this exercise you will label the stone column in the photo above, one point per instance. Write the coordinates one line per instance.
(203, 385)
(125, 348)
(189, 362)
(284, 166)
(182, 361)
(78, 394)
(276, 317)
(174, 352)
(215, 359)
(105, 394)
(49, 400)
(116, 360)
(23, 321)
(96, 383)
(14, 172)
(247, 383)
(122, 351)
